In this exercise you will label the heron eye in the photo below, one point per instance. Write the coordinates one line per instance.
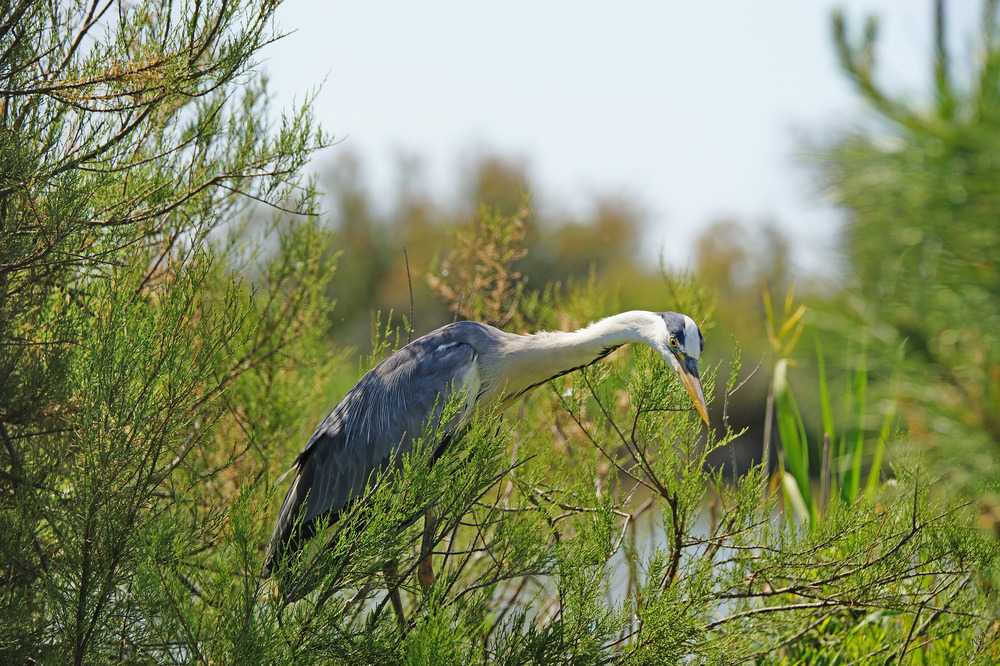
(673, 342)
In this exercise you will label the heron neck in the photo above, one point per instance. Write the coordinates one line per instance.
(530, 360)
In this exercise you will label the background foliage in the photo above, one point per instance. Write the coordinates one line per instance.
(920, 185)
(179, 306)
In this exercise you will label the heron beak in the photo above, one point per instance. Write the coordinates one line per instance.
(687, 370)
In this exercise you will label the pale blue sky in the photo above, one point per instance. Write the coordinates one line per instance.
(693, 109)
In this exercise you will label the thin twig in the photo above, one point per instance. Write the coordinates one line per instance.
(409, 332)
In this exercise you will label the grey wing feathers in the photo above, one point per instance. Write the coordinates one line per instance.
(387, 409)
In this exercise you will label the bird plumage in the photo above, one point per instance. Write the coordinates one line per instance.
(386, 410)
(389, 408)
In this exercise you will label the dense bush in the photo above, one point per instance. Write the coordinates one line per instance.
(162, 358)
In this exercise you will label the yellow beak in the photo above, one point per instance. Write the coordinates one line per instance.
(687, 370)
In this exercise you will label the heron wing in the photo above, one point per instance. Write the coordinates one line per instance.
(385, 411)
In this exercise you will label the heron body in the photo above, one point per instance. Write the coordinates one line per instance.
(389, 408)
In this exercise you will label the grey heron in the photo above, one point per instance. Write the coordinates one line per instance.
(387, 410)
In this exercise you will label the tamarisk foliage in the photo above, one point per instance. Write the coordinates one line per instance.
(161, 363)
(138, 366)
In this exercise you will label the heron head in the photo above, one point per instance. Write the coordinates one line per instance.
(680, 345)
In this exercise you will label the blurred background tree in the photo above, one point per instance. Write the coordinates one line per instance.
(919, 181)
(370, 238)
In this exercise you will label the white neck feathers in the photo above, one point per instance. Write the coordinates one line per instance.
(524, 361)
